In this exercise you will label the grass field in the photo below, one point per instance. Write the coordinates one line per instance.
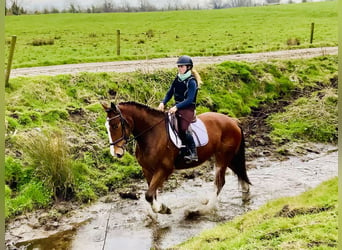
(74, 38)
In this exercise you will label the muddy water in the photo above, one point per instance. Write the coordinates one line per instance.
(129, 224)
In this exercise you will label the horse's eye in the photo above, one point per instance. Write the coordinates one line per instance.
(115, 126)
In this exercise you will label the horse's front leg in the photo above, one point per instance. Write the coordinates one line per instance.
(151, 194)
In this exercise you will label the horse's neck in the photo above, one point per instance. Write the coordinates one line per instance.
(142, 120)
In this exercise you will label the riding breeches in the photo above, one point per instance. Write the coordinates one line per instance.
(184, 117)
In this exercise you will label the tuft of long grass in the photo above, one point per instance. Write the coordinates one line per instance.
(50, 157)
(42, 42)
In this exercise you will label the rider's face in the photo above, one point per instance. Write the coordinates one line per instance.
(182, 69)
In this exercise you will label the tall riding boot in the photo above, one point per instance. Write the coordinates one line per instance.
(192, 149)
(184, 149)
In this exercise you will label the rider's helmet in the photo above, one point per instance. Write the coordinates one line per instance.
(185, 60)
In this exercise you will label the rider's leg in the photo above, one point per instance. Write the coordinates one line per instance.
(192, 149)
(185, 116)
(184, 148)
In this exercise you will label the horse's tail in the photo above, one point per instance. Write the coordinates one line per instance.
(239, 161)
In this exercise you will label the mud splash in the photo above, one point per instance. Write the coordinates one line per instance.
(114, 223)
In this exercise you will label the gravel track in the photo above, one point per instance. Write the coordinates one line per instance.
(150, 65)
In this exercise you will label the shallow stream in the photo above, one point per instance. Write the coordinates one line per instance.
(128, 224)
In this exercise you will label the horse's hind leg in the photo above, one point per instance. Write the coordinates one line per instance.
(221, 161)
(244, 186)
(220, 171)
(245, 190)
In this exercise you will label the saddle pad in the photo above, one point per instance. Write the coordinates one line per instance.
(199, 133)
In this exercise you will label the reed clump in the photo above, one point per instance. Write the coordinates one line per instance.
(49, 155)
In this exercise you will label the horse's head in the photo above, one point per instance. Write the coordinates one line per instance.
(117, 128)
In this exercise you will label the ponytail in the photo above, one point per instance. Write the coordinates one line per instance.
(197, 77)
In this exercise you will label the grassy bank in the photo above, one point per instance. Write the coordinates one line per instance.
(307, 221)
(57, 146)
(62, 39)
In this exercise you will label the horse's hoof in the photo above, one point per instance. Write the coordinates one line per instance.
(246, 197)
(205, 201)
(191, 214)
(165, 210)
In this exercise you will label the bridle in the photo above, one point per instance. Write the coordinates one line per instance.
(123, 122)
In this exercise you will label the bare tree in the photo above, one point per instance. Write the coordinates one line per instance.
(168, 5)
(272, 1)
(73, 6)
(54, 10)
(14, 7)
(145, 5)
(217, 4)
(108, 6)
(173, 4)
(125, 5)
(193, 5)
(238, 3)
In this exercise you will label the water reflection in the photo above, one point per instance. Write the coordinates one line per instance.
(60, 241)
(158, 234)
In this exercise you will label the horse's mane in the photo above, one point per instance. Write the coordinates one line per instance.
(144, 107)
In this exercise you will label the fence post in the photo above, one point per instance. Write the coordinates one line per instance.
(118, 42)
(312, 32)
(10, 58)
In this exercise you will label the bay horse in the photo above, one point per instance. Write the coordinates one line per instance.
(157, 154)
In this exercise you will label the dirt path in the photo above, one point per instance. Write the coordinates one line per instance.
(154, 64)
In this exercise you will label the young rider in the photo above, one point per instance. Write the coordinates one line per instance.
(184, 90)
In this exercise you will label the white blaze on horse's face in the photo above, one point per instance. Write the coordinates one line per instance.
(110, 138)
(118, 148)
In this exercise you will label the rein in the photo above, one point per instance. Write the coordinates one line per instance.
(145, 131)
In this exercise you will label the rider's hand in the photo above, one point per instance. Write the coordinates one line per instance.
(173, 110)
(161, 106)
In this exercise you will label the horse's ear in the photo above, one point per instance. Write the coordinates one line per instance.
(104, 105)
(113, 106)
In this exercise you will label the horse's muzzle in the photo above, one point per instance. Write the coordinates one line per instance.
(119, 151)
(119, 155)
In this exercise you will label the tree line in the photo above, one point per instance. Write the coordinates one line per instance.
(15, 7)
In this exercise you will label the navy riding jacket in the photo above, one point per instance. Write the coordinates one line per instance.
(184, 92)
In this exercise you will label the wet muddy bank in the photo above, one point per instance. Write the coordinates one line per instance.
(117, 223)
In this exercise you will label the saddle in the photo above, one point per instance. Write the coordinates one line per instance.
(196, 128)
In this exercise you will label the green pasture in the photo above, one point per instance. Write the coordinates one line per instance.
(75, 38)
